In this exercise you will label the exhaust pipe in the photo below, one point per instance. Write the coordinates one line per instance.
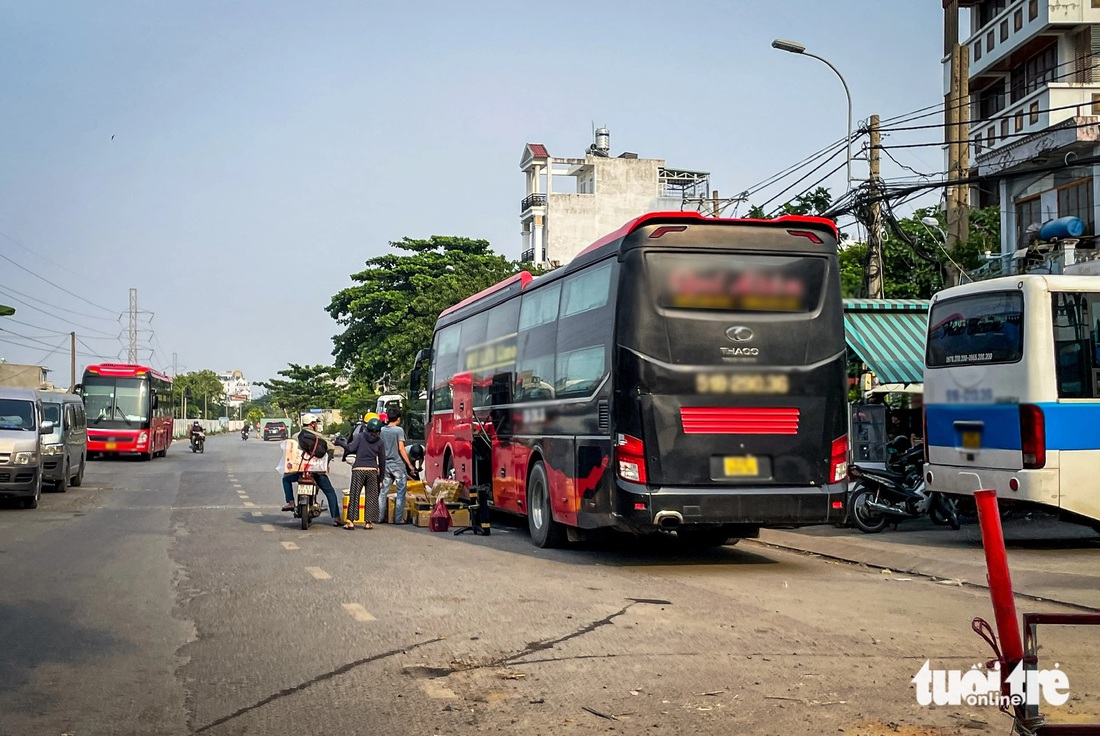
(668, 519)
(885, 509)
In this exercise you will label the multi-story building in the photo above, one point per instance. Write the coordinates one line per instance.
(561, 218)
(1034, 82)
(236, 386)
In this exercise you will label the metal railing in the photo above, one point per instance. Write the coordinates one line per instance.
(528, 256)
(532, 200)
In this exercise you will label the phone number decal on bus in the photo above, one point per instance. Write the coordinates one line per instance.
(742, 383)
(970, 358)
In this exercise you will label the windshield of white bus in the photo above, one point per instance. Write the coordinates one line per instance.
(116, 402)
(976, 330)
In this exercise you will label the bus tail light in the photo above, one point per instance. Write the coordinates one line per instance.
(838, 459)
(1033, 436)
(630, 455)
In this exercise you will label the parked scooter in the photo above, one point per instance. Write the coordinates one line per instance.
(884, 497)
(305, 506)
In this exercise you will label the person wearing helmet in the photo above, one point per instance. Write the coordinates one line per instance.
(370, 455)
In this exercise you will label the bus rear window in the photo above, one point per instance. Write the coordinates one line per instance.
(976, 330)
(730, 282)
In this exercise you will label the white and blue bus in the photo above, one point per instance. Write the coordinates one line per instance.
(1012, 392)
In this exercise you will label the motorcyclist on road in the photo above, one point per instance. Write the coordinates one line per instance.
(319, 471)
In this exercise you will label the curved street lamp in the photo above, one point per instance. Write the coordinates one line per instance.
(794, 47)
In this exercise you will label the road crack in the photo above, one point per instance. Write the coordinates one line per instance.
(286, 692)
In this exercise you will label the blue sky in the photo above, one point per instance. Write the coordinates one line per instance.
(250, 137)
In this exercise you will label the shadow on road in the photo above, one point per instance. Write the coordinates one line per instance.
(52, 638)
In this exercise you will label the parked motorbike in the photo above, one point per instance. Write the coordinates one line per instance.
(198, 441)
(884, 497)
(305, 506)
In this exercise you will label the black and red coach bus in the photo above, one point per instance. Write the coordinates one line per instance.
(129, 409)
(683, 373)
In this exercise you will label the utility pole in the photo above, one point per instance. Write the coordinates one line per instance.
(72, 361)
(175, 372)
(874, 230)
(132, 354)
(957, 136)
(714, 200)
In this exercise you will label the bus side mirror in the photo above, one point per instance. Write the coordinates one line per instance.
(156, 401)
(422, 356)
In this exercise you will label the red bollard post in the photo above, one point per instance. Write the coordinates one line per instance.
(1000, 582)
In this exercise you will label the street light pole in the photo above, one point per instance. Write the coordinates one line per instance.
(794, 47)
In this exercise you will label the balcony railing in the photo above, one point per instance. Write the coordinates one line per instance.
(528, 256)
(532, 200)
(1048, 106)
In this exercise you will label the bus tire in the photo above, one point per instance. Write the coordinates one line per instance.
(868, 521)
(545, 532)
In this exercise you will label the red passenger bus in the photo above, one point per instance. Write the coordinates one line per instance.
(683, 373)
(129, 409)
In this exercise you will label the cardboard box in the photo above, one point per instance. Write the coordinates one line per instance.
(421, 518)
(459, 516)
(362, 507)
(451, 490)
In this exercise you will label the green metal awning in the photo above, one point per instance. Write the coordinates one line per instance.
(888, 335)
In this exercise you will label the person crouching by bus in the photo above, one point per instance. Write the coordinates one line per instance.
(366, 473)
(397, 466)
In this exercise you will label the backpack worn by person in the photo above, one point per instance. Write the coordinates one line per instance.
(312, 444)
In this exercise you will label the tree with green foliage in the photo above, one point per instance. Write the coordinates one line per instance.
(389, 314)
(303, 387)
(207, 393)
(254, 415)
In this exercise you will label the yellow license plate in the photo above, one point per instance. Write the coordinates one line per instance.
(741, 466)
(110, 446)
(972, 440)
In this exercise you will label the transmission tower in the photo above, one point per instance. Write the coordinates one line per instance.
(132, 355)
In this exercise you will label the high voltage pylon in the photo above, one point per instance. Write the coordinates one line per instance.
(132, 354)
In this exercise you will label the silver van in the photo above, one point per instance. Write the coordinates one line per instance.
(65, 450)
(21, 430)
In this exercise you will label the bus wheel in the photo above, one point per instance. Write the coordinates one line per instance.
(448, 467)
(545, 532)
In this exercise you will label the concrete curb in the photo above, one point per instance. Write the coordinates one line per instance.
(963, 566)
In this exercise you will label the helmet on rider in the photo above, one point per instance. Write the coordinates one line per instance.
(374, 425)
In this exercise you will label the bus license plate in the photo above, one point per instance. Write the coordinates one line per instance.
(110, 446)
(972, 440)
(741, 466)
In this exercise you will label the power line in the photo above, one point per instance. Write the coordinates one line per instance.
(56, 286)
(8, 290)
(55, 332)
(808, 174)
(94, 354)
(37, 254)
(814, 185)
(1021, 134)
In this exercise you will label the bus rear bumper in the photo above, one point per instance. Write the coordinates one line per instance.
(647, 508)
(1035, 486)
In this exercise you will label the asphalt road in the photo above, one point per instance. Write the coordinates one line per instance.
(173, 597)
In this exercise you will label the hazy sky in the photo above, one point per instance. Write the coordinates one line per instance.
(250, 137)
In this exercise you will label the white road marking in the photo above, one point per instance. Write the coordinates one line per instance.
(318, 573)
(357, 612)
(248, 504)
(289, 545)
(437, 691)
(257, 513)
(268, 527)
